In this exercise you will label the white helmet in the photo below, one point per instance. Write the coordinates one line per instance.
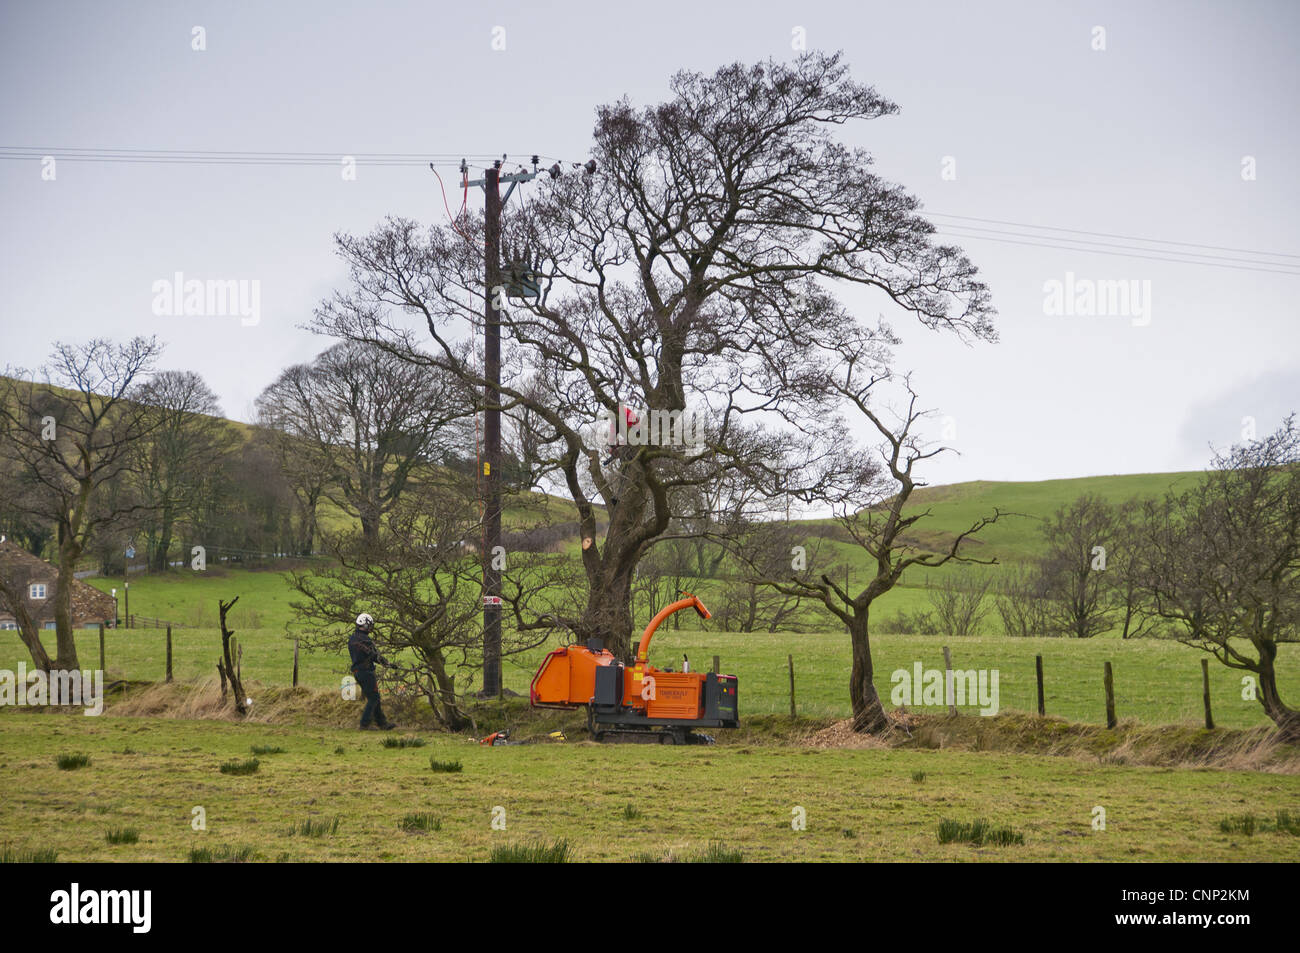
(365, 619)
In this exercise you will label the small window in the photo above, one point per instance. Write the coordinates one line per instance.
(36, 591)
(49, 625)
(8, 625)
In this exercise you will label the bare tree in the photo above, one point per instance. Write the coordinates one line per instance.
(1074, 569)
(421, 584)
(682, 277)
(871, 509)
(69, 437)
(1020, 599)
(356, 424)
(1221, 562)
(960, 603)
(187, 443)
(1124, 563)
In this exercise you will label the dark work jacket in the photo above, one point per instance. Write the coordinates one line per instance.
(362, 649)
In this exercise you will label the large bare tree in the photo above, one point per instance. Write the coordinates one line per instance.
(689, 273)
(69, 437)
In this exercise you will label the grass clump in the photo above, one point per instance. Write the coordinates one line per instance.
(404, 742)
(225, 854)
(241, 767)
(977, 833)
(311, 828)
(71, 762)
(632, 813)
(267, 749)
(40, 856)
(918, 776)
(532, 853)
(1284, 822)
(122, 835)
(445, 767)
(715, 853)
(420, 822)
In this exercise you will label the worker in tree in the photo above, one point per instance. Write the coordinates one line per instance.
(620, 450)
(364, 656)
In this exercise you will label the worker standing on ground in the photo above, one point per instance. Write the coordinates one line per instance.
(364, 656)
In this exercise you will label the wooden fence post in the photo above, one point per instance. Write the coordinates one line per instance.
(101, 646)
(790, 659)
(717, 665)
(949, 695)
(1110, 697)
(1205, 691)
(1038, 662)
(295, 663)
(169, 653)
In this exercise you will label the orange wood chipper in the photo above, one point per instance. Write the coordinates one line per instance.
(636, 702)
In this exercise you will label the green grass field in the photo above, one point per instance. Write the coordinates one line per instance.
(149, 775)
(146, 775)
(1156, 682)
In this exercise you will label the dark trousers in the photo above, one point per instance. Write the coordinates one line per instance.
(370, 688)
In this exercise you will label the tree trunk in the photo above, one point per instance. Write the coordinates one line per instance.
(66, 654)
(868, 712)
(446, 709)
(31, 637)
(161, 554)
(608, 614)
(1287, 719)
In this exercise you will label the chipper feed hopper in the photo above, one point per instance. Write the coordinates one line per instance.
(638, 701)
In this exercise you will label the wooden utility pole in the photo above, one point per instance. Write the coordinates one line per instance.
(494, 293)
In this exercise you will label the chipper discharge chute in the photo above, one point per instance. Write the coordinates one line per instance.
(637, 701)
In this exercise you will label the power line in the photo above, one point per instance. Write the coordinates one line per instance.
(209, 157)
(1130, 238)
(1036, 242)
(1166, 250)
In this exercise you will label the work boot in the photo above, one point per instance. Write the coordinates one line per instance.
(369, 728)
(387, 726)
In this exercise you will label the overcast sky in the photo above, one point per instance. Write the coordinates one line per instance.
(1168, 121)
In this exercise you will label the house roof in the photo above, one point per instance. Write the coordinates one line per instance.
(88, 603)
